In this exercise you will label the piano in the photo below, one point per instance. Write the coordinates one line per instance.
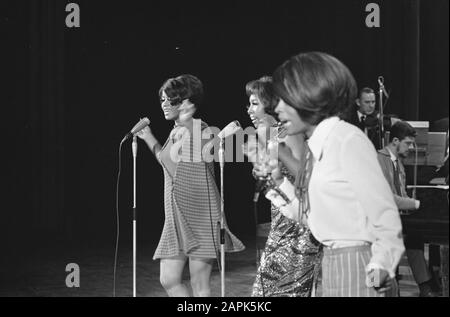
(431, 220)
(429, 184)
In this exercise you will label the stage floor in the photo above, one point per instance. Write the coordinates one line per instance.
(43, 273)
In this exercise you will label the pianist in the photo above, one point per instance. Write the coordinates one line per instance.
(401, 140)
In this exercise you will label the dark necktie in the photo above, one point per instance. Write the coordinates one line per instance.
(397, 182)
(363, 125)
(362, 122)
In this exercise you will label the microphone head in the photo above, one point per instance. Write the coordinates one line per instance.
(235, 124)
(140, 125)
(230, 129)
(145, 121)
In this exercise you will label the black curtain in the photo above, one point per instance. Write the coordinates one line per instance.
(433, 90)
(46, 111)
(33, 125)
(71, 94)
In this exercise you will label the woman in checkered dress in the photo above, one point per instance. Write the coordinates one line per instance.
(191, 197)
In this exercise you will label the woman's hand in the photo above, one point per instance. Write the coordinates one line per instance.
(266, 169)
(145, 133)
(282, 132)
(152, 143)
(380, 280)
(251, 149)
(187, 110)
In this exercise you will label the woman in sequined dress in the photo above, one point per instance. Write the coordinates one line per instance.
(191, 197)
(291, 259)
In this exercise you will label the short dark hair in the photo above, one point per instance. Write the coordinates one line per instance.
(183, 87)
(263, 89)
(317, 84)
(365, 90)
(401, 130)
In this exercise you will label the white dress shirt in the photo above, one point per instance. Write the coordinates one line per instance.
(351, 202)
(360, 115)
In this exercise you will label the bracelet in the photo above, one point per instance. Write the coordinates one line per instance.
(272, 185)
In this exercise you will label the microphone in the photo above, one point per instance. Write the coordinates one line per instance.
(230, 129)
(138, 127)
(381, 83)
(259, 187)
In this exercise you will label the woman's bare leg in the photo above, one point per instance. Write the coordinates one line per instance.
(200, 270)
(171, 276)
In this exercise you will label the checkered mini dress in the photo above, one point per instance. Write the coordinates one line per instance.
(192, 206)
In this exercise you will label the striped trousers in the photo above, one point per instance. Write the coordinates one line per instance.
(344, 273)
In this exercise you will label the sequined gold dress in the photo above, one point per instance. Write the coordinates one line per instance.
(291, 260)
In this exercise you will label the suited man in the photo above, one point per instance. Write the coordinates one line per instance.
(401, 140)
(364, 115)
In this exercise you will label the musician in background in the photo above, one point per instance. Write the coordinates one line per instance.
(401, 140)
(365, 117)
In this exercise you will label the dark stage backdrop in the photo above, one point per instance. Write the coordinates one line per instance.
(69, 95)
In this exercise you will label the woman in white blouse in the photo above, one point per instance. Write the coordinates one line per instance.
(345, 200)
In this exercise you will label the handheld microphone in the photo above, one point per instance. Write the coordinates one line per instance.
(259, 187)
(138, 127)
(230, 129)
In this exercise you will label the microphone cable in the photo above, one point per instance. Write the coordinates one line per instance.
(211, 220)
(210, 211)
(117, 219)
(258, 253)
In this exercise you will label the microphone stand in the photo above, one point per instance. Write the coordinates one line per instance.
(255, 212)
(258, 253)
(381, 117)
(416, 158)
(134, 149)
(222, 227)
